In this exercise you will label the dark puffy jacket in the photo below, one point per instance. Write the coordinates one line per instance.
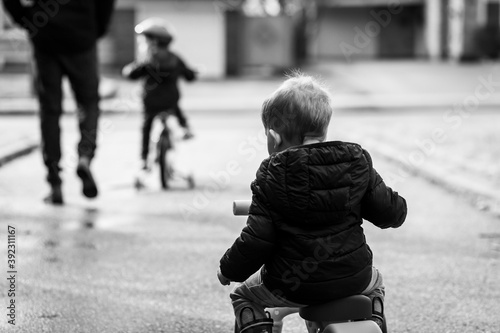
(62, 26)
(305, 222)
(160, 78)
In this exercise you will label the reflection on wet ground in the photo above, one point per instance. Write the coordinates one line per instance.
(89, 217)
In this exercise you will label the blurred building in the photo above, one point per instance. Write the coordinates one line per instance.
(218, 38)
(377, 29)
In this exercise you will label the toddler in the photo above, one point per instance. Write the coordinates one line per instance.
(160, 70)
(303, 243)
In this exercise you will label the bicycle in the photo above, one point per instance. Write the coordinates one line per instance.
(165, 143)
(346, 315)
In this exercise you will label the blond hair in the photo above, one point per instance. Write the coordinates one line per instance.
(301, 107)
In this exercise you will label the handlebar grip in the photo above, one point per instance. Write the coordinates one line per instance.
(241, 207)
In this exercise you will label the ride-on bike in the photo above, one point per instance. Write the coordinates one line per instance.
(164, 146)
(346, 315)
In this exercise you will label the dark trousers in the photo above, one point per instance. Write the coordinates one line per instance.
(147, 123)
(82, 72)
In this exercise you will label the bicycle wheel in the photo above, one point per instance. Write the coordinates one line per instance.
(163, 147)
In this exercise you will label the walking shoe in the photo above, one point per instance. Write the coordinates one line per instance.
(55, 195)
(83, 171)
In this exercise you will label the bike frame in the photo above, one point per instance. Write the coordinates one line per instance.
(163, 145)
(163, 140)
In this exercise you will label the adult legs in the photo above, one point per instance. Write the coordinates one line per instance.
(48, 84)
(82, 72)
(81, 69)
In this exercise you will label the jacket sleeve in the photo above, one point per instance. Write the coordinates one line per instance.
(186, 72)
(381, 205)
(252, 248)
(189, 74)
(135, 70)
(16, 10)
(104, 11)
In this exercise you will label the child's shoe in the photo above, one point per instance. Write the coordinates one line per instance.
(187, 134)
(378, 314)
(142, 174)
(145, 166)
(258, 326)
(252, 325)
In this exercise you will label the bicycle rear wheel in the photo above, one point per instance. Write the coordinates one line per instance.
(164, 167)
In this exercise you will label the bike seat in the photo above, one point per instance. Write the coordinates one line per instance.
(351, 308)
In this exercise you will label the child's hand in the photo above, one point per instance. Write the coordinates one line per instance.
(222, 279)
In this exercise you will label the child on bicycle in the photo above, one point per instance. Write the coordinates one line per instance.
(160, 70)
(303, 243)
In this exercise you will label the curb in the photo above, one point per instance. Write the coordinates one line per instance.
(16, 152)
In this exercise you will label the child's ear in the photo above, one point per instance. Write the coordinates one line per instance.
(276, 137)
